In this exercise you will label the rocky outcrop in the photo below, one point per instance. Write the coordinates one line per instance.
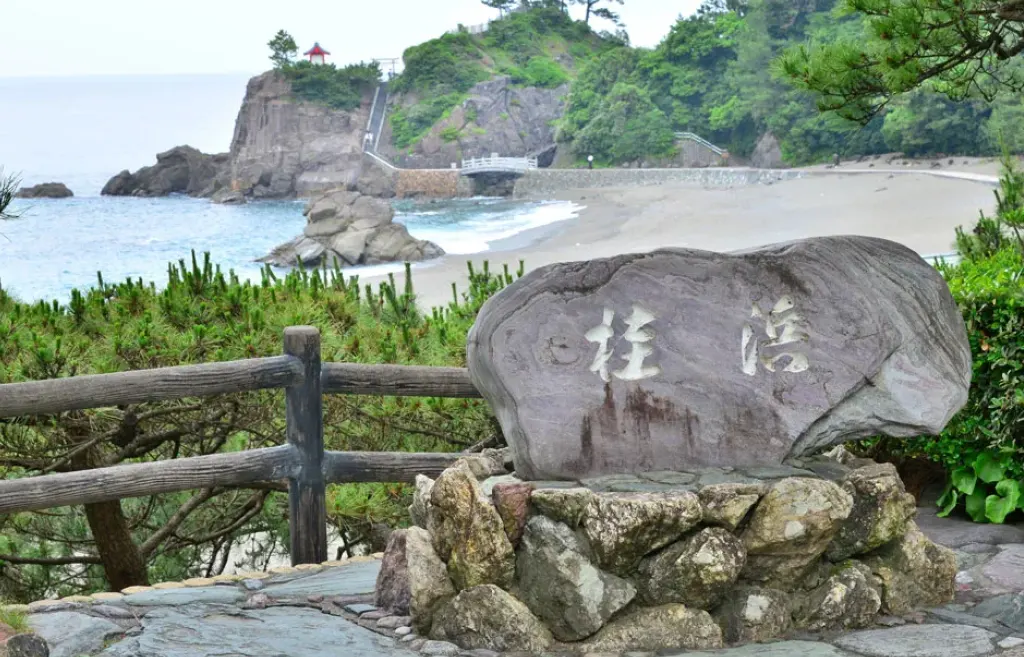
(489, 618)
(181, 170)
(497, 117)
(413, 581)
(355, 230)
(45, 190)
(697, 571)
(767, 153)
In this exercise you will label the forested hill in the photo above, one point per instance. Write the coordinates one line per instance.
(713, 74)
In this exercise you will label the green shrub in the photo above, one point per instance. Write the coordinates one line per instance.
(540, 71)
(450, 134)
(410, 124)
(443, 65)
(325, 84)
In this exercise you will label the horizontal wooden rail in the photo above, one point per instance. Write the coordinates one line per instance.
(397, 380)
(136, 386)
(139, 479)
(399, 467)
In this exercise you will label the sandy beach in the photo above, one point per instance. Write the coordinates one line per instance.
(915, 209)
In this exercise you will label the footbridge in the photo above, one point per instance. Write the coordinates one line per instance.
(495, 164)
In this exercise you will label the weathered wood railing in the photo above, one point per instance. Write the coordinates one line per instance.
(302, 461)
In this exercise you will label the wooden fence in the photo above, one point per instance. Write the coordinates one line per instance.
(302, 461)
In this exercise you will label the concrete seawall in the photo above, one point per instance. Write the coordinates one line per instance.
(544, 182)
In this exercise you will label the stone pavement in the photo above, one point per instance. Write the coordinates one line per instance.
(327, 610)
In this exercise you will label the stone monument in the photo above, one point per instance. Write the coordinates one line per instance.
(674, 422)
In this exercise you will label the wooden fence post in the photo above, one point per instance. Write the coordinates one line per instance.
(305, 431)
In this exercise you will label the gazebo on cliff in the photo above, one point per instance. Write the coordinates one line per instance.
(316, 54)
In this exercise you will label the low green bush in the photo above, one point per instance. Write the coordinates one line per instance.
(325, 84)
(410, 124)
(539, 71)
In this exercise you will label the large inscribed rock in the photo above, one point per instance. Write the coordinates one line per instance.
(678, 357)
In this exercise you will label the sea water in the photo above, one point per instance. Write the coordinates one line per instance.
(82, 131)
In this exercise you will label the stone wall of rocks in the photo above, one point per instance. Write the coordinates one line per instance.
(544, 182)
(692, 560)
(432, 183)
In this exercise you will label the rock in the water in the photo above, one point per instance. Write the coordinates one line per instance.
(559, 584)
(848, 599)
(487, 617)
(914, 572)
(27, 645)
(512, 500)
(468, 533)
(697, 571)
(622, 528)
(751, 614)
(657, 628)
(419, 509)
(413, 580)
(791, 527)
(588, 364)
(563, 504)
(727, 504)
(354, 230)
(181, 170)
(45, 190)
(881, 509)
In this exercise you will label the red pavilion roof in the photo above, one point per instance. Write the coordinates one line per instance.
(316, 50)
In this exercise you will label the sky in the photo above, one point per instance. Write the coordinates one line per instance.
(129, 37)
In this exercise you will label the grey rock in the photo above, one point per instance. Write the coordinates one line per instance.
(881, 509)
(920, 641)
(419, 508)
(204, 630)
(393, 622)
(70, 634)
(565, 505)
(622, 528)
(1007, 609)
(914, 572)
(258, 600)
(252, 584)
(767, 153)
(487, 485)
(857, 309)
(26, 645)
(1004, 572)
(728, 504)
(45, 190)
(670, 477)
(697, 571)
(775, 471)
(751, 614)
(113, 611)
(359, 608)
(413, 580)
(480, 652)
(403, 631)
(180, 170)
(185, 596)
(350, 579)
(847, 599)
(440, 649)
(777, 649)
(488, 617)
(1011, 642)
(561, 586)
(958, 532)
(791, 527)
(657, 628)
(964, 618)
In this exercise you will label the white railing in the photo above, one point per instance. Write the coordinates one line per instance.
(700, 140)
(495, 164)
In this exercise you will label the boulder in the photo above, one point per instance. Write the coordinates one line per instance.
(767, 153)
(26, 645)
(680, 358)
(563, 504)
(751, 614)
(485, 617)
(728, 504)
(914, 572)
(419, 509)
(849, 599)
(352, 229)
(622, 528)
(791, 528)
(512, 500)
(671, 626)
(181, 170)
(559, 584)
(412, 581)
(697, 571)
(45, 190)
(881, 510)
(467, 531)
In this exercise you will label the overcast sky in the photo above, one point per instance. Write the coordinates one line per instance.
(102, 37)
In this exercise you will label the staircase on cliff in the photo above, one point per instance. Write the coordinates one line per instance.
(377, 112)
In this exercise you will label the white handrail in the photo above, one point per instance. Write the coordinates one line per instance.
(700, 140)
(480, 164)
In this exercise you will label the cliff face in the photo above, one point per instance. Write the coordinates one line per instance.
(283, 147)
(496, 118)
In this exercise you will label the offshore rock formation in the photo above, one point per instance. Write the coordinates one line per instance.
(354, 229)
(45, 190)
(181, 170)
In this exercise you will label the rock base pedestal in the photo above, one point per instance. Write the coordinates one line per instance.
(666, 560)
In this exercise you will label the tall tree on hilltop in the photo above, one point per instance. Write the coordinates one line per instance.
(502, 6)
(592, 9)
(283, 49)
(962, 48)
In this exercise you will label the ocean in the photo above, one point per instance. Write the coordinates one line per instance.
(81, 131)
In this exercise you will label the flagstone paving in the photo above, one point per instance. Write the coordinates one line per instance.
(327, 610)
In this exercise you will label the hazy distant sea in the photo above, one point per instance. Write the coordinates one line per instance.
(81, 131)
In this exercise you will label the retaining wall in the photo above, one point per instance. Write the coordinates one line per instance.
(434, 183)
(544, 182)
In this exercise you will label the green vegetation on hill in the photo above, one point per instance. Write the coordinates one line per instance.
(324, 84)
(717, 73)
(540, 47)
